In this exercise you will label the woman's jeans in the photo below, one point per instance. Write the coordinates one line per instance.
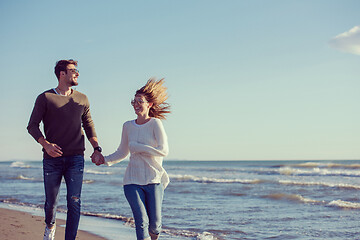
(72, 169)
(145, 202)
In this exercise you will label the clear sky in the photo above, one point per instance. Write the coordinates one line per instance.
(248, 80)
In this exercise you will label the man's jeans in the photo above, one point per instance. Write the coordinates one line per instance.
(72, 168)
(145, 202)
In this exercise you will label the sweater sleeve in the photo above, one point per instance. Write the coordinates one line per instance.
(162, 148)
(87, 121)
(36, 117)
(121, 152)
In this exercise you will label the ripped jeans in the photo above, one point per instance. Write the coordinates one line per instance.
(72, 168)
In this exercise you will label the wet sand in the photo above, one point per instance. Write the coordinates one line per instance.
(16, 225)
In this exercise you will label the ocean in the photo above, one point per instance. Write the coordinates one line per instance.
(208, 200)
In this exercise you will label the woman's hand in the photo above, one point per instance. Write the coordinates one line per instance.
(132, 147)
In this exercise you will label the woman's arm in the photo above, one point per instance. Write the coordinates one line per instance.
(162, 148)
(121, 152)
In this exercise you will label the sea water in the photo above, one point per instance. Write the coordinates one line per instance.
(208, 200)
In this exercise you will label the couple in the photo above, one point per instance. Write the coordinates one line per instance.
(63, 112)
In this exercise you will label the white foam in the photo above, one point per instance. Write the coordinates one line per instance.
(91, 171)
(19, 165)
(205, 236)
(318, 171)
(88, 181)
(191, 178)
(338, 185)
(186, 234)
(25, 178)
(344, 204)
(327, 165)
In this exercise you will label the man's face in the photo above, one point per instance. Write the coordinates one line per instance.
(71, 75)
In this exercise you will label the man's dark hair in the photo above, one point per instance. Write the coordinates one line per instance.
(61, 66)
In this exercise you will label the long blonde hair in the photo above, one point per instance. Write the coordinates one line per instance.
(154, 92)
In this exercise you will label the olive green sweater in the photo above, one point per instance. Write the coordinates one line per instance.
(62, 117)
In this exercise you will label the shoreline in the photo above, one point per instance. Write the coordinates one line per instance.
(17, 222)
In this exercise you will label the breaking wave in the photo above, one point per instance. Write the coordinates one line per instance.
(22, 177)
(326, 165)
(98, 172)
(344, 204)
(88, 181)
(298, 198)
(318, 171)
(129, 221)
(191, 178)
(20, 165)
(291, 197)
(338, 185)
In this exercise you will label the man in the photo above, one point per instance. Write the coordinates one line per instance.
(63, 112)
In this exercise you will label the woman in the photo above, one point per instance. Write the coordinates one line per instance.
(145, 139)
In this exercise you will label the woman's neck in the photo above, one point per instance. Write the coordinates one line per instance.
(142, 119)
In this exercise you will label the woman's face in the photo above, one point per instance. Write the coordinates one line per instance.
(141, 106)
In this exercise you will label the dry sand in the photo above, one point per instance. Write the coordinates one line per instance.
(16, 225)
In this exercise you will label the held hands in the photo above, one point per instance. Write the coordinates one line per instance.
(97, 158)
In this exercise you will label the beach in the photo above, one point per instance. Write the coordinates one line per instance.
(18, 221)
(16, 225)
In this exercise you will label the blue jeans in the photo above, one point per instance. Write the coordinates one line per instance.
(145, 202)
(72, 168)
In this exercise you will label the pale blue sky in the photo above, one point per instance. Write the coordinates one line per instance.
(248, 80)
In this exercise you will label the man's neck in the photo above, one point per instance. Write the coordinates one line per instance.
(64, 90)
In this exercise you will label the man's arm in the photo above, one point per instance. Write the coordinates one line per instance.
(33, 127)
(36, 117)
(96, 157)
(89, 129)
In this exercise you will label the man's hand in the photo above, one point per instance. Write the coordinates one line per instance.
(97, 158)
(51, 148)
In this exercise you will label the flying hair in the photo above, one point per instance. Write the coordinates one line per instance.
(156, 93)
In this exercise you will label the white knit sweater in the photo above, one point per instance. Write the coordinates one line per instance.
(147, 144)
